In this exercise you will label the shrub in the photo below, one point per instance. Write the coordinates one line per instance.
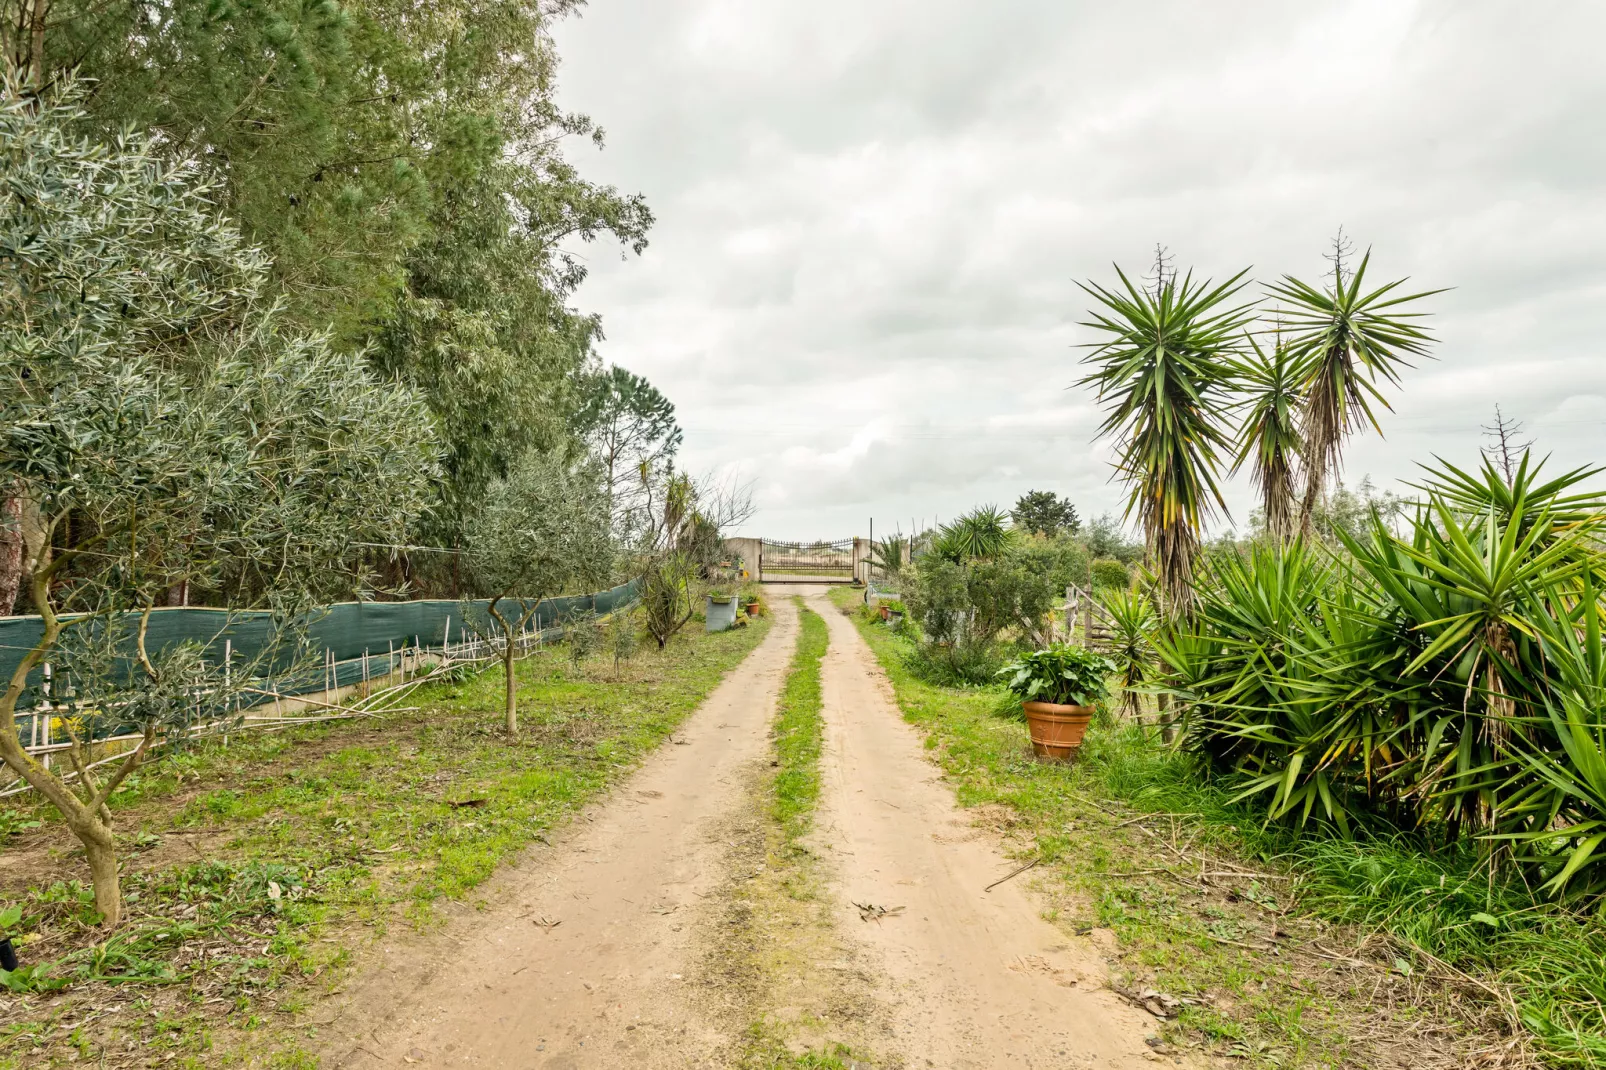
(1107, 573)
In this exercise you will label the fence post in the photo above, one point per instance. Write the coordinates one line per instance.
(228, 695)
(45, 711)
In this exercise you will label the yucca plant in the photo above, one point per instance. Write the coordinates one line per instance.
(1475, 587)
(886, 557)
(1345, 340)
(982, 534)
(1132, 622)
(1555, 804)
(1269, 437)
(1163, 372)
(1284, 673)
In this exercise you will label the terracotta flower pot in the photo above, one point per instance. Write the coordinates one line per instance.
(752, 609)
(885, 612)
(1056, 730)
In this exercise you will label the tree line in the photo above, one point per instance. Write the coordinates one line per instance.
(286, 317)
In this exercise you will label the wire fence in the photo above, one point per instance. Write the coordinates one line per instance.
(380, 679)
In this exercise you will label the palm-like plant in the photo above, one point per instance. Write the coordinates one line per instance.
(886, 556)
(1163, 371)
(1344, 339)
(1269, 438)
(1131, 623)
(980, 535)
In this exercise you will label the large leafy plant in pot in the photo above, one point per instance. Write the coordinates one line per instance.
(1058, 687)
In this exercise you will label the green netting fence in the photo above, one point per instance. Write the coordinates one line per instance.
(358, 641)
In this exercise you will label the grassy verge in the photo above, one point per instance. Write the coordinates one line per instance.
(254, 872)
(799, 733)
(776, 947)
(1282, 949)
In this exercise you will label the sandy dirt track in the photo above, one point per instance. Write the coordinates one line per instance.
(963, 978)
(605, 986)
(975, 978)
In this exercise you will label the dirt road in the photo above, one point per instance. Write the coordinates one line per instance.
(590, 953)
(583, 958)
(976, 978)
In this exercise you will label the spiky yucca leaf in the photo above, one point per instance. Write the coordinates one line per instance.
(1345, 339)
(1162, 372)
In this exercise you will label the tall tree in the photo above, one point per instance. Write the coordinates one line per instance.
(1042, 512)
(628, 423)
(1344, 338)
(1163, 372)
(405, 170)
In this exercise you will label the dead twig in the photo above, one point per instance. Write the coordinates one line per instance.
(1017, 871)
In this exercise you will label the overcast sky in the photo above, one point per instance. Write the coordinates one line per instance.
(861, 290)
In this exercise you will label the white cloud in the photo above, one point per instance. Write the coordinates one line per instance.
(861, 291)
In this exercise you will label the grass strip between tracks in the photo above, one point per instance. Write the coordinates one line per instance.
(782, 920)
(799, 731)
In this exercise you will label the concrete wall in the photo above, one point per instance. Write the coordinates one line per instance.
(749, 551)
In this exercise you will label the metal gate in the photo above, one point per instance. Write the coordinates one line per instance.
(806, 562)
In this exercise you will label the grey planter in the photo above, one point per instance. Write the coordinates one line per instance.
(721, 615)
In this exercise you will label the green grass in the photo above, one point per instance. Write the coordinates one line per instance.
(785, 933)
(316, 840)
(798, 730)
(1405, 906)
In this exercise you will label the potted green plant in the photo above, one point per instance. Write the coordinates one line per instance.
(895, 610)
(1058, 687)
(753, 606)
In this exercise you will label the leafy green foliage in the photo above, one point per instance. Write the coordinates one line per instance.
(1042, 512)
(1108, 574)
(185, 434)
(1447, 678)
(1132, 626)
(1064, 675)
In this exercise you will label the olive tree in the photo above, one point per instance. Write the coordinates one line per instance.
(159, 428)
(542, 531)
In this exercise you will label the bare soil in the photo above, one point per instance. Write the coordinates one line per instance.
(655, 933)
(977, 978)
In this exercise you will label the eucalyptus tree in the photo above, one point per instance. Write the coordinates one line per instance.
(542, 531)
(1344, 339)
(1163, 372)
(1269, 437)
(161, 426)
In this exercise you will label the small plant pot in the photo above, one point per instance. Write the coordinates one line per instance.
(752, 609)
(894, 616)
(1056, 730)
(886, 614)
